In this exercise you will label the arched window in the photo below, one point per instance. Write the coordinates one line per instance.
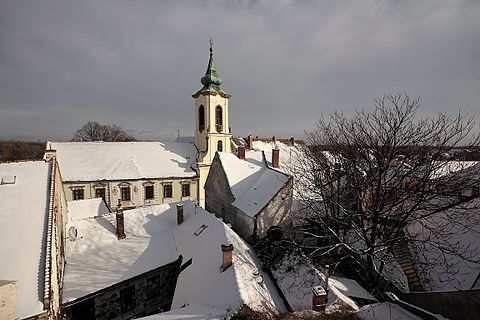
(219, 146)
(218, 118)
(201, 118)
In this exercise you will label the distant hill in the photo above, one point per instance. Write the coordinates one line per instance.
(21, 150)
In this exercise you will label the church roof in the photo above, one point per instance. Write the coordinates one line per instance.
(93, 161)
(211, 80)
(253, 183)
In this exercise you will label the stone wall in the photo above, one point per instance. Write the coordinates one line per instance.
(145, 294)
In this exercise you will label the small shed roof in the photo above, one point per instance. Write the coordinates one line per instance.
(253, 183)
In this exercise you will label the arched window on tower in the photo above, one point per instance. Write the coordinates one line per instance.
(218, 118)
(219, 146)
(201, 118)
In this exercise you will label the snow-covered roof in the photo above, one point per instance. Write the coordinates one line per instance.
(252, 182)
(23, 212)
(465, 169)
(290, 155)
(92, 161)
(296, 277)
(97, 259)
(80, 209)
(461, 235)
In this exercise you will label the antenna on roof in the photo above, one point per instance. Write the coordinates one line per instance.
(72, 233)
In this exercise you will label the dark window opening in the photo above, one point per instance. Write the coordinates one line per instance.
(186, 190)
(125, 193)
(219, 146)
(100, 193)
(167, 191)
(78, 194)
(154, 289)
(127, 299)
(201, 118)
(149, 192)
(218, 118)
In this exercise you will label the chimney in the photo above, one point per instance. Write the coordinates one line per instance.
(241, 152)
(274, 139)
(179, 213)
(250, 141)
(276, 158)
(319, 298)
(49, 152)
(292, 141)
(120, 221)
(227, 256)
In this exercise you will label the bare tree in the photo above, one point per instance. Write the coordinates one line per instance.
(94, 131)
(383, 180)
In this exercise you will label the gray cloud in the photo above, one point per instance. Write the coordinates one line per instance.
(136, 63)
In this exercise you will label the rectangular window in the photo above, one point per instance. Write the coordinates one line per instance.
(154, 289)
(149, 192)
(186, 190)
(127, 299)
(78, 194)
(125, 193)
(167, 191)
(100, 193)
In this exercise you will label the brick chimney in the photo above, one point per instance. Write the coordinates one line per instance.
(241, 152)
(227, 256)
(120, 221)
(179, 213)
(319, 298)
(250, 142)
(292, 141)
(276, 158)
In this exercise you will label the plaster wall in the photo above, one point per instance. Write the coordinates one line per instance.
(137, 190)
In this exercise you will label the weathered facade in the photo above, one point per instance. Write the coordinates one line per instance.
(136, 173)
(148, 293)
(221, 200)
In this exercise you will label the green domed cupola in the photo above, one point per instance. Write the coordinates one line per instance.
(211, 80)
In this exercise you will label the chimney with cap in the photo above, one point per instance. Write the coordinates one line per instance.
(179, 213)
(227, 256)
(319, 298)
(250, 142)
(241, 152)
(120, 221)
(276, 158)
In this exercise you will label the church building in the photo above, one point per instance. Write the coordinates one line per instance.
(212, 130)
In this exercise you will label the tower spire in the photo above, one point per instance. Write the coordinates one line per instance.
(211, 81)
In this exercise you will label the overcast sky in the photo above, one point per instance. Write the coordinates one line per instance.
(137, 63)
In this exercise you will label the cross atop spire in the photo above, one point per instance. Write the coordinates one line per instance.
(211, 80)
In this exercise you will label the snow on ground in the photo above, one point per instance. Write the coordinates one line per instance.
(23, 218)
(97, 259)
(384, 311)
(252, 182)
(91, 161)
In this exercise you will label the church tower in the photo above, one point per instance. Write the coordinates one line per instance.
(212, 131)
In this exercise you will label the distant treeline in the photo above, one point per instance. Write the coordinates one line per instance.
(21, 150)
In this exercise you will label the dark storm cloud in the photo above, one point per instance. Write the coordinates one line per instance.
(136, 63)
